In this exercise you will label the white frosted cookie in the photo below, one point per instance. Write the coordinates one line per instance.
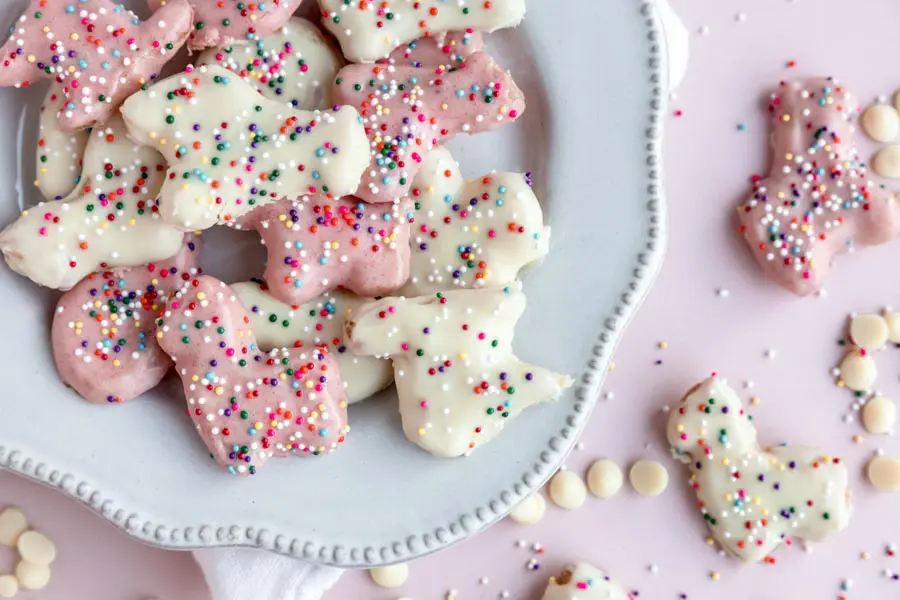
(316, 323)
(471, 234)
(584, 582)
(111, 220)
(368, 31)
(754, 499)
(295, 65)
(59, 153)
(230, 149)
(457, 377)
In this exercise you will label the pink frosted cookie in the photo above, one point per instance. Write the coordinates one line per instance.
(109, 221)
(450, 49)
(104, 329)
(59, 153)
(458, 380)
(249, 406)
(753, 499)
(369, 30)
(408, 111)
(218, 22)
(584, 582)
(230, 149)
(316, 244)
(471, 234)
(818, 199)
(99, 52)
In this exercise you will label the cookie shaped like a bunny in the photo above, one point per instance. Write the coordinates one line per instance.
(249, 406)
(449, 50)
(471, 234)
(295, 65)
(318, 323)
(408, 111)
(111, 220)
(458, 380)
(217, 22)
(230, 149)
(59, 153)
(754, 499)
(97, 50)
(368, 31)
(104, 329)
(818, 199)
(582, 581)
(316, 244)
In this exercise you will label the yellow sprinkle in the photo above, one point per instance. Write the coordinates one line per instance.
(116, 362)
(715, 576)
(258, 425)
(163, 141)
(663, 345)
(220, 390)
(201, 295)
(445, 106)
(857, 439)
(74, 36)
(195, 378)
(309, 384)
(754, 401)
(786, 118)
(421, 431)
(612, 365)
(31, 58)
(865, 556)
(710, 541)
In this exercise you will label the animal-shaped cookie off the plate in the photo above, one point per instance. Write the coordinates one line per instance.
(458, 381)
(316, 244)
(295, 65)
(582, 581)
(752, 499)
(368, 31)
(59, 153)
(249, 406)
(110, 221)
(318, 323)
(818, 199)
(104, 329)
(471, 234)
(218, 22)
(407, 111)
(230, 149)
(449, 50)
(99, 52)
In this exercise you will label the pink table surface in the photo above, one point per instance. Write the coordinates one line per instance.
(654, 545)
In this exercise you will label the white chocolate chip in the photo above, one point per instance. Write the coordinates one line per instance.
(893, 322)
(9, 586)
(858, 371)
(567, 490)
(887, 162)
(12, 524)
(391, 576)
(35, 548)
(869, 331)
(879, 415)
(884, 473)
(530, 510)
(648, 477)
(881, 122)
(32, 576)
(605, 478)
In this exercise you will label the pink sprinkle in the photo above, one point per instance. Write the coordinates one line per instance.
(424, 403)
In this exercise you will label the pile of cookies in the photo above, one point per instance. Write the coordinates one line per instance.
(384, 262)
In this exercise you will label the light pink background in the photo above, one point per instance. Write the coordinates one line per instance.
(708, 164)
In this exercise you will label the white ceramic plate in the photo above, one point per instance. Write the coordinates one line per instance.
(591, 74)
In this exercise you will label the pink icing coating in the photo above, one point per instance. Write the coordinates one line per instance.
(408, 111)
(818, 199)
(316, 244)
(451, 49)
(99, 52)
(108, 319)
(249, 406)
(219, 22)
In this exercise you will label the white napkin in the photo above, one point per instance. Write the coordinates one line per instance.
(246, 574)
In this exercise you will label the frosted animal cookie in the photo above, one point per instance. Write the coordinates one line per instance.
(471, 234)
(368, 31)
(584, 582)
(104, 329)
(296, 65)
(110, 220)
(818, 199)
(407, 111)
(318, 323)
(218, 22)
(59, 153)
(230, 149)
(457, 378)
(316, 244)
(249, 406)
(753, 499)
(96, 50)
(449, 50)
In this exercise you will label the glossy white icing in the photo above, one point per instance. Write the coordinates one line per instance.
(59, 153)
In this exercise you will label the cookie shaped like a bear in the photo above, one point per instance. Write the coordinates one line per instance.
(754, 499)
(584, 582)
(59, 153)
